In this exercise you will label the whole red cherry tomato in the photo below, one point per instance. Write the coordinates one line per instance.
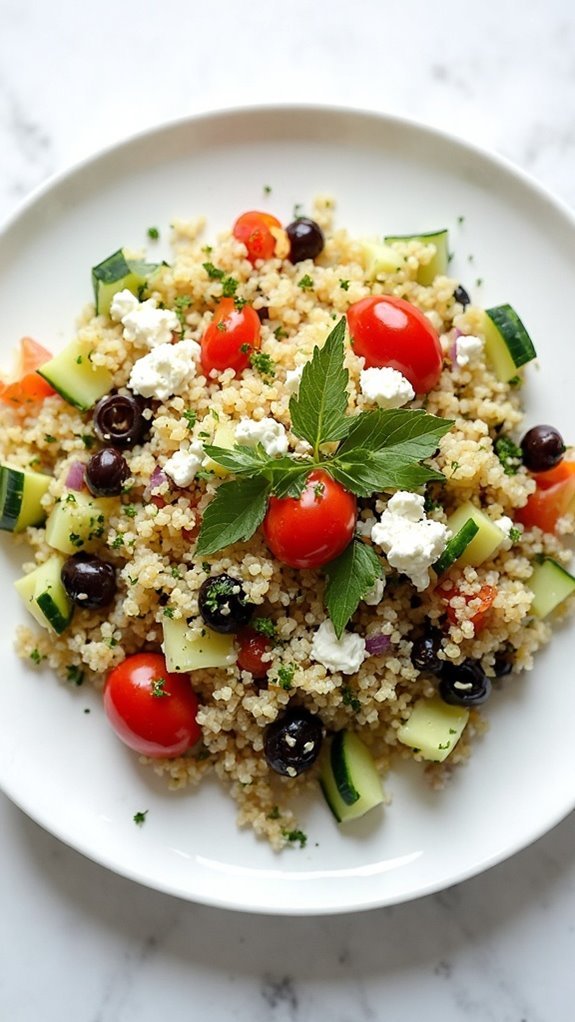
(253, 646)
(388, 331)
(231, 337)
(151, 711)
(253, 228)
(310, 530)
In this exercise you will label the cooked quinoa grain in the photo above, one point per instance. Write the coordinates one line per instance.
(151, 530)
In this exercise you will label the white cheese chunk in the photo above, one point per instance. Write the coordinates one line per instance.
(267, 432)
(375, 594)
(165, 371)
(345, 655)
(183, 465)
(293, 380)
(468, 349)
(386, 387)
(143, 322)
(410, 541)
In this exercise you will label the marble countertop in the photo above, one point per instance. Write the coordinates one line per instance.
(77, 942)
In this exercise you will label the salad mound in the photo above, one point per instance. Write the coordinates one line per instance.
(276, 501)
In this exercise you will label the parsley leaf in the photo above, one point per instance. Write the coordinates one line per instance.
(509, 454)
(349, 577)
(234, 514)
(318, 409)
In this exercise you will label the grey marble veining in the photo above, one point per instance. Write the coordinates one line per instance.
(76, 942)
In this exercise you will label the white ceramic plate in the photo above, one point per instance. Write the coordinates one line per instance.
(62, 765)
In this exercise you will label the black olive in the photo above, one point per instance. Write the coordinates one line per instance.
(542, 448)
(263, 314)
(424, 653)
(89, 581)
(223, 605)
(465, 685)
(306, 239)
(503, 665)
(293, 742)
(106, 473)
(118, 418)
(461, 296)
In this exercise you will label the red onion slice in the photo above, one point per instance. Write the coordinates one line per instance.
(75, 476)
(377, 644)
(157, 479)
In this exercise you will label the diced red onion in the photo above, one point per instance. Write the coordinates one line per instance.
(157, 479)
(75, 477)
(453, 346)
(377, 644)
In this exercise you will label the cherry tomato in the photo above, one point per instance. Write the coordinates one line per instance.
(151, 711)
(29, 386)
(253, 646)
(253, 229)
(486, 596)
(553, 498)
(230, 338)
(312, 529)
(388, 331)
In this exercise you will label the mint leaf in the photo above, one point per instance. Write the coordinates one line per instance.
(234, 514)
(365, 472)
(412, 435)
(349, 578)
(318, 409)
(286, 474)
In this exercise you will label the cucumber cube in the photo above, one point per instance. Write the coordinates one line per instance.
(75, 378)
(438, 265)
(184, 653)
(78, 522)
(486, 540)
(44, 595)
(434, 728)
(349, 779)
(550, 584)
(379, 258)
(224, 436)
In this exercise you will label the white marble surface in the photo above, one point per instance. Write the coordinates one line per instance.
(76, 942)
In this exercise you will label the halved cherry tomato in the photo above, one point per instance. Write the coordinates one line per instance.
(310, 530)
(253, 647)
(388, 331)
(486, 596)
(553, 498)
(253, 228)
(28, 386)
(151, 711)
(231, 337)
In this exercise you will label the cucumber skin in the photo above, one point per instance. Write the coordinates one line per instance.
(456, 546)
(16, 513)
(540, 606)
(348, 792)
(52, 613)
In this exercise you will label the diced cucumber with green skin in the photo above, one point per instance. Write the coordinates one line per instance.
(78, 522)
(380, 259)
(508, 346)
(550, 584)
(487, 539)
(116, 273)
(456, 546)
(75, 378)
(434, 728)
(183, 653)
(45, 597)
(349, 779)
(21, 493)
(437, 267)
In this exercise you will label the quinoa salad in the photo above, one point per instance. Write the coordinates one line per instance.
(276, 502)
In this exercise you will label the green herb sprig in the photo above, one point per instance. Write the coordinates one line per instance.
(376, 450)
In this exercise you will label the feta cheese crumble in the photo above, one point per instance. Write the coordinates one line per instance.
(165, 371)
(267, 432)
(143, 322)
(184, 464)
(468, 349)
(293, 380)
(375, 594)
(386, 387)
(505, 524)
(346, 654)
(410, 541)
